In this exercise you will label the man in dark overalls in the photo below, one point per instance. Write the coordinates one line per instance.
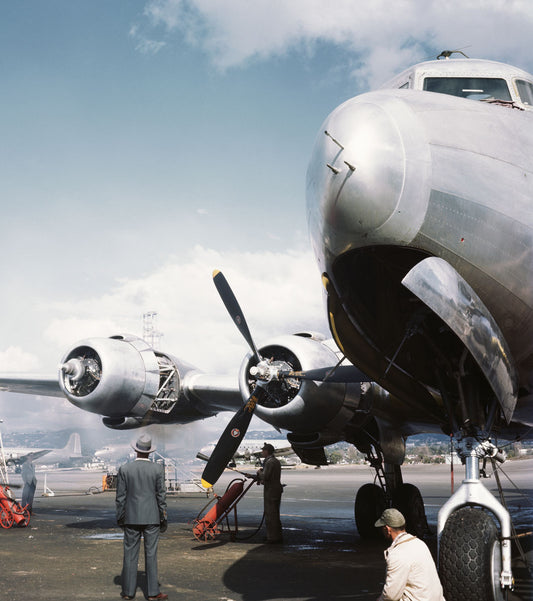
(270, 476)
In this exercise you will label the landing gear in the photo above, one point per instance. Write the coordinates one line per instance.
(369, 505)
(407, 499)
(470, 557)
(372, 499)
(474, 562)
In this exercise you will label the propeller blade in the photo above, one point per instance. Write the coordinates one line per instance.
(347, 374)
(231, 438)
(232, 305)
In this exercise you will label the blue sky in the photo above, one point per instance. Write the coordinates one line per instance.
(145, 143)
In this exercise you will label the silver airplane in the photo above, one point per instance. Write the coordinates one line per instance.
(251, 449)
(18, 455)
(420, 208)
(114, 452)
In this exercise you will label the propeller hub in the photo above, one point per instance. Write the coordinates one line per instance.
(74, 369)
(81, 375)
(273, 371)
(266, 370)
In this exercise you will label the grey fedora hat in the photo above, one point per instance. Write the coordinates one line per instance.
(143, 444)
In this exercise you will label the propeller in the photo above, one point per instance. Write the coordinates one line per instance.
(234, 432)
(234, 309)
(264, 372)
(346, 374)
(231, 438)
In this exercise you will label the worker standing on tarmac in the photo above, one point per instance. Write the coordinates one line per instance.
(30, 484)
(270, 476)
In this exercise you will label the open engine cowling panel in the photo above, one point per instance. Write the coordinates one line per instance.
(120, 377)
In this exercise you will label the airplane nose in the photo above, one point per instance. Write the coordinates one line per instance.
(367, 182)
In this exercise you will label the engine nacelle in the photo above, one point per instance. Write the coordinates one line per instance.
(121, 378)
(302, 406)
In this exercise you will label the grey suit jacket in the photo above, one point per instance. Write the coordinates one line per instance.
(141, 493)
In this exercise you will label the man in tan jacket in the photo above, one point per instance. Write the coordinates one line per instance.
(411, 571)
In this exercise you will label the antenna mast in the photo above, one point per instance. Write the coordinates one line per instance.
(150, 333)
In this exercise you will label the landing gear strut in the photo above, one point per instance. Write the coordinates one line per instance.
(474, 564)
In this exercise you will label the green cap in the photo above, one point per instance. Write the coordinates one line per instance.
(391, 517)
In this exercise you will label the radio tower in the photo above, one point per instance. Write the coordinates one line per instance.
(150, 334)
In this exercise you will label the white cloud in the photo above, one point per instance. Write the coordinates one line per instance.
(143, 44)
(384, 36)
(279, 293)
(15, 359)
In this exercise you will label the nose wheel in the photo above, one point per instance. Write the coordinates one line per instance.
(470, 557)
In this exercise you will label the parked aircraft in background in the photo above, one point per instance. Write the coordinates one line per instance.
(420, 208)
(114, 453)
(72, 450)
(251, 449)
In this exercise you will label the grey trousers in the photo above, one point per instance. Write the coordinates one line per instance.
(28, 492)
(132, 543)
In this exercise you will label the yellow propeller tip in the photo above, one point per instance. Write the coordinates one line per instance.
(216, 272)
(206, 484)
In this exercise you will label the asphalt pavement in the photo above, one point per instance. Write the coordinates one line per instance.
(72, 548)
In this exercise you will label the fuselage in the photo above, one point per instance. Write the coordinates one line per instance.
(404, 173)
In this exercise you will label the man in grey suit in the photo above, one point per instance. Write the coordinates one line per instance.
(141, 511)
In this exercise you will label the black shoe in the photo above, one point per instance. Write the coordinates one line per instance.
(125, 596)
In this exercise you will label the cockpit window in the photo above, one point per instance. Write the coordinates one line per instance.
(525, 90)
(475, 88)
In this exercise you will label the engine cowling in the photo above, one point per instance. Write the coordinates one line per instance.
(122, 378)
(302, 406)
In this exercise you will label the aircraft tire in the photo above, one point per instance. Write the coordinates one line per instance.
(369, 505)
(407, 499)
(470, 557)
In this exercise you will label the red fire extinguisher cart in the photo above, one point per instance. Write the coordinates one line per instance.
(211, 525)
(10, 511)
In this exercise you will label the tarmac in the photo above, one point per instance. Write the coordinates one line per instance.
(72, 548)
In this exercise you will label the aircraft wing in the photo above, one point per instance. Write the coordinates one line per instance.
(31, 384)
(19, 456)
(35, 455)
(244, 452)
